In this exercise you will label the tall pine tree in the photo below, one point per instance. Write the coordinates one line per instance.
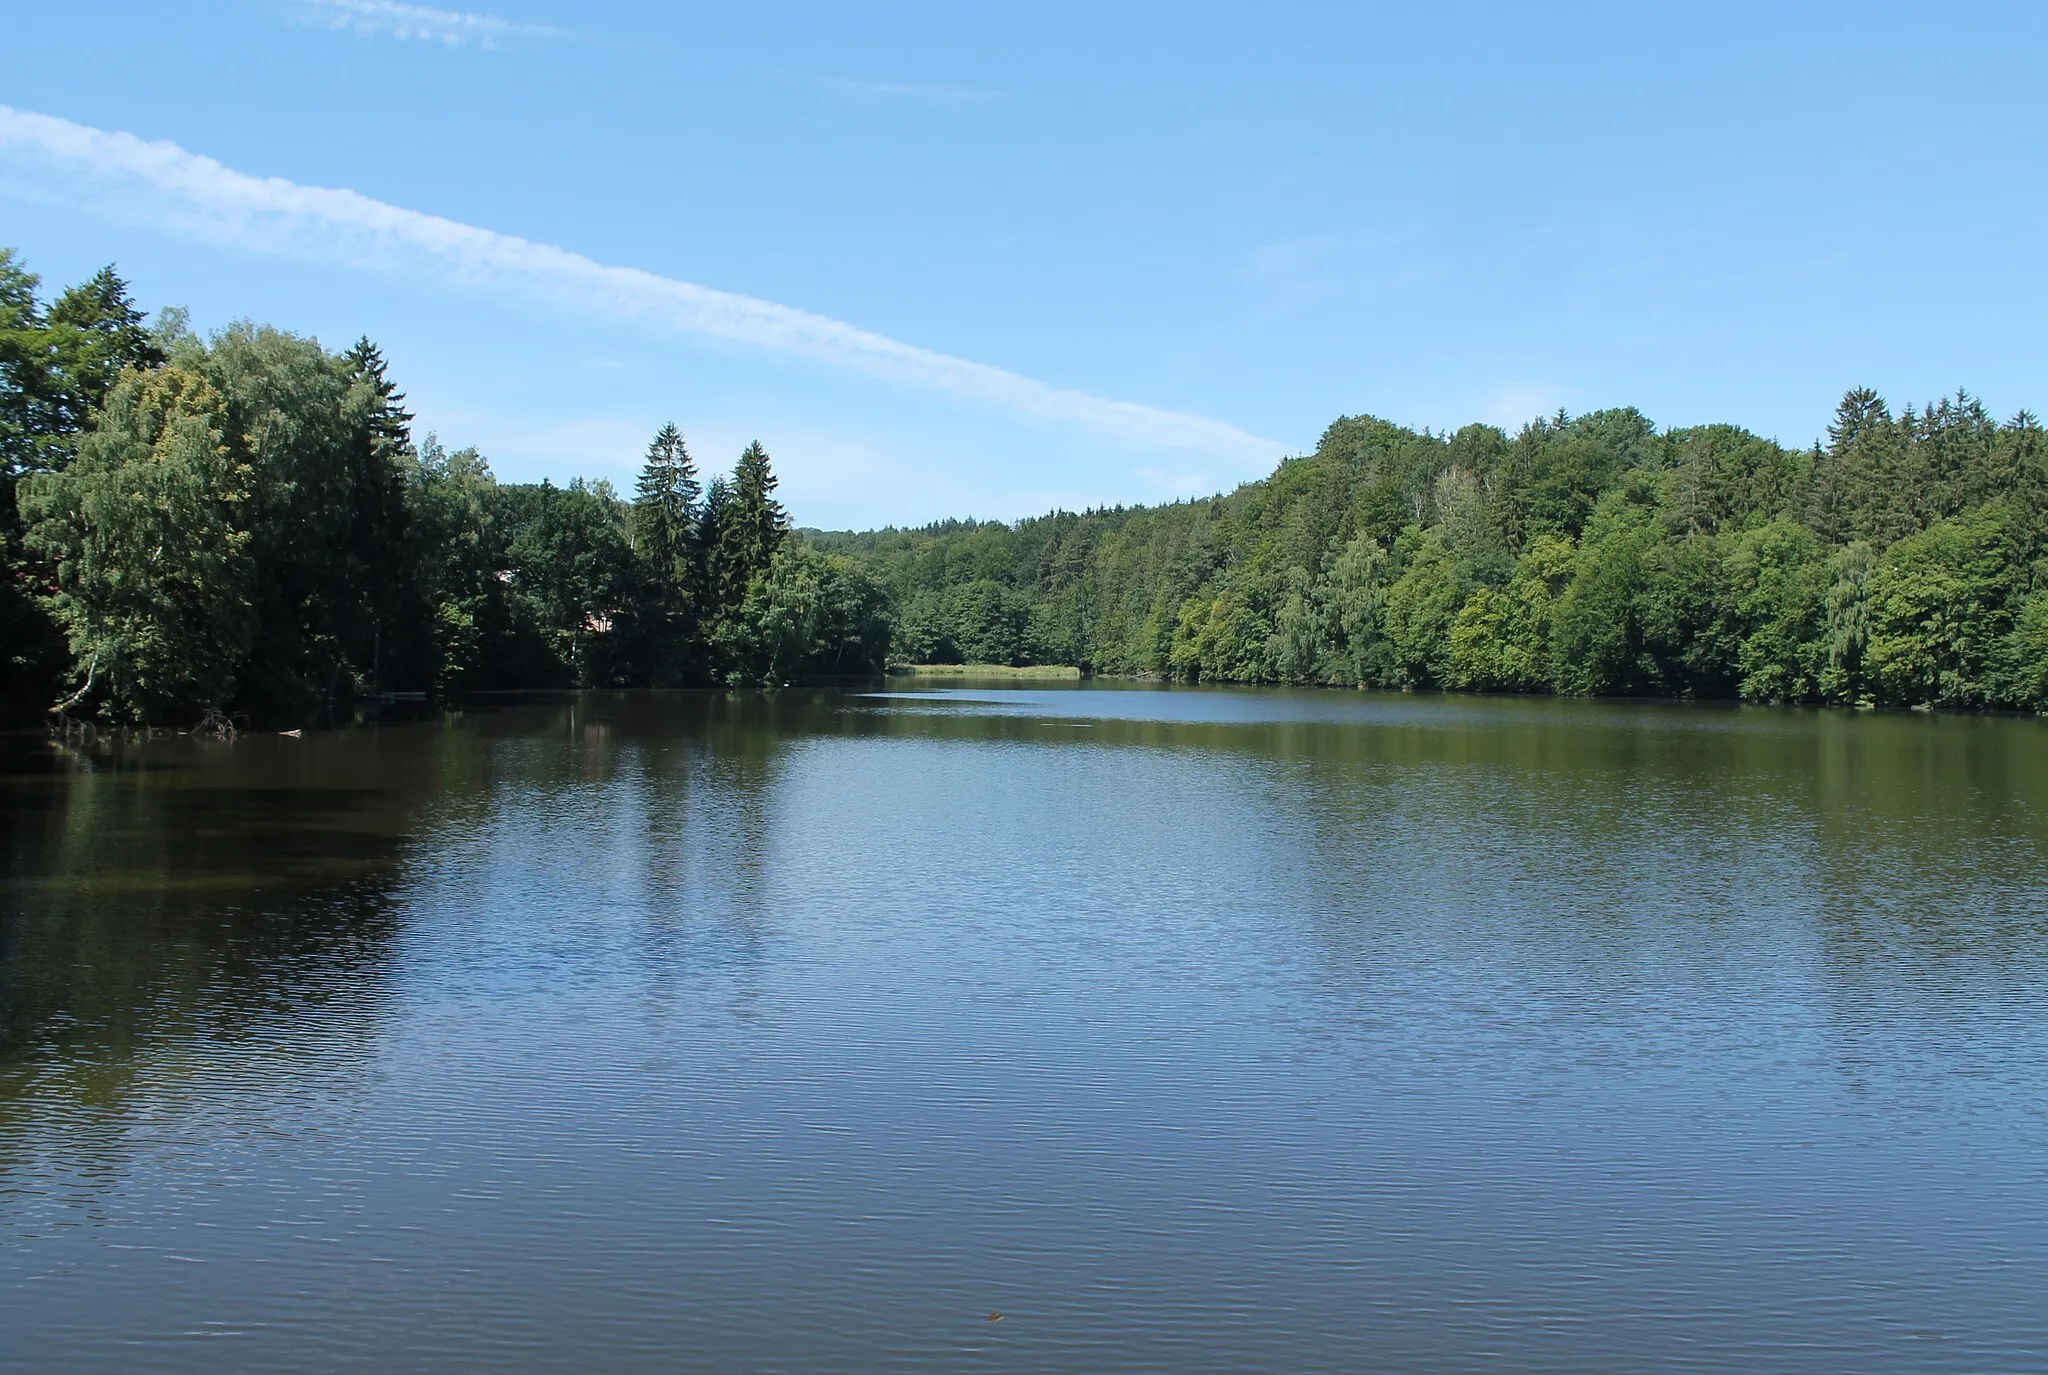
(98, 333)
(758, 521)
(711, 549)
(662, 526)
(742, 527)
(665, 514)
(381, 559)
(390, 423)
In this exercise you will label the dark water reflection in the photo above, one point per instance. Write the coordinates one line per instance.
(1198, 1030)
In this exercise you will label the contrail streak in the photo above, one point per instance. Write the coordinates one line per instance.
(399, 20)
(168, 187)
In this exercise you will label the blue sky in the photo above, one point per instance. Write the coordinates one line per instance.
(968, 259)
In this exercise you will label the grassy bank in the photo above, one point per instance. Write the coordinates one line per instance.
(984, 671)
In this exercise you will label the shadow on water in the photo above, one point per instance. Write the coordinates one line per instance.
(179, 912)
(661, 807)
(188, 924)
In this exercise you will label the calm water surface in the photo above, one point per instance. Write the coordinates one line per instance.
(1189, 1030)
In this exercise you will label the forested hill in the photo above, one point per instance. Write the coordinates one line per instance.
(1900, 562)
(245, 527)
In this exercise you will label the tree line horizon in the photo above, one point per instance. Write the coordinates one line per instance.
(246, 525)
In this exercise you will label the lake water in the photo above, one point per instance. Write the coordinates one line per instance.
(1187, 1029)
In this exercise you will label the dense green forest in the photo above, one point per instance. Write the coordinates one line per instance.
(1900, 563)
(245, 526)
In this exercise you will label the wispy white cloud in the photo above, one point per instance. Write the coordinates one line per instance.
(394, 19)
(167, 187)
(897, 90)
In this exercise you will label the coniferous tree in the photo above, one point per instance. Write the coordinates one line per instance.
(663, 527)
(2021, 467)
(390, 423)
(97, 333)
(758, 522)
(1960, 441)
(711, 575)
(665, 511)
(1876, 468)
(1826, 510)
(381, 559)
(743, 526)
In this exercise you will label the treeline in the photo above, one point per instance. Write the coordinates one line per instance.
(245, 526)
(1900, 563)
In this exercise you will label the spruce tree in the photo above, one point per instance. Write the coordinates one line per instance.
(378, 548)
(741, 527)
(1843, 500)
(2023, 462)
(97, 333)
(758, 522)
(390, 423)
(665, 510)
(1827, 503)
(713, 549)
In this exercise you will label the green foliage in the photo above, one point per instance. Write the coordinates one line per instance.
(56, 368)
(806, 615)
(1354, 597)
(746, 529)
(2026, 665)
(1422, 606)
(572, 576)
(1895, 563)
(1941, 606)
(1598, 628)
(1777, 583)
(481, 634)
(1500, 641)
(148, 526)
(664, 524)
(246, 524)
(664, 519)
(1722, 478)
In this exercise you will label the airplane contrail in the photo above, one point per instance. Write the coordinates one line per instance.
(169, 187)
(396, 19)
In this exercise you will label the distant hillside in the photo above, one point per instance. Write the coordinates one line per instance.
(1898, 563)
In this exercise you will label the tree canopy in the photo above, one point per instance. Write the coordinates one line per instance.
(248, 524)
(1902, 562)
